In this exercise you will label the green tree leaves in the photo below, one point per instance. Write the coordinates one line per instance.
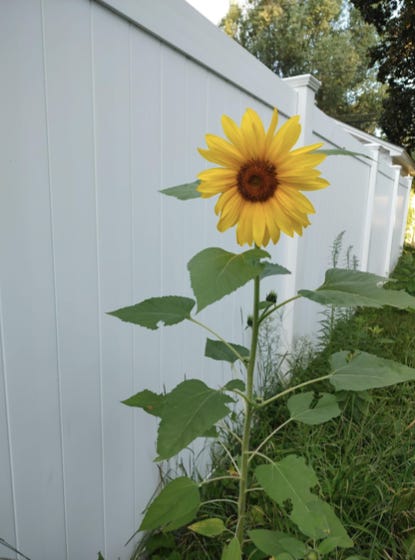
(352, 288)
(175, 506)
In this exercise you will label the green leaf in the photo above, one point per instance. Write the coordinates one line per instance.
(217, 350)
(323, 410)
(340, 152)
(232, 551)
(275, 543)
(334, 530)
(272, 269)
(175, 506)
(189, 411)
(235, 384)
(160, 540)
(362, 371)
(208, 527)
(183, 192)
(167, 310)
(291, 479)
(211, 432)
(215, 273)
(147, 400)
(100, 557)
(351, 288)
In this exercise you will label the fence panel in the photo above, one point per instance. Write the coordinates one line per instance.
(105, 103)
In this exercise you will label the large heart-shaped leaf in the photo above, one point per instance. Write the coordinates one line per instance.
(215, 273)
(167, 310)
(351, 288)
(291, 479)
(188, 412)
(361, 371)
(186, 191)
(323, 410)
(175, 506)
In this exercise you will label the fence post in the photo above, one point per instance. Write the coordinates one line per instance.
(392, 218)
(375, 150)
(306, 86)
(408, 181)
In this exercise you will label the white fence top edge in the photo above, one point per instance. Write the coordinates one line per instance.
(186, 30)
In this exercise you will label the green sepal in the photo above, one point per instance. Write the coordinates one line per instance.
(360, 371)
(211, 527)
(275, 543)
(305, 408)
(167, 310)
(175, 506)
(189, 411)
(215, 273)
(218, 350)
(352, 288)
(186, 191)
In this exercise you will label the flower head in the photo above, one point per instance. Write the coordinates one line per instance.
(260, 178)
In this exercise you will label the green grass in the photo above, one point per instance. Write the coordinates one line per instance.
(365, 459)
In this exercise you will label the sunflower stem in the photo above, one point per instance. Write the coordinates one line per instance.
(249, 408)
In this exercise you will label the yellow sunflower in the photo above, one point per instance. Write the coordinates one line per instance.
(260, 178)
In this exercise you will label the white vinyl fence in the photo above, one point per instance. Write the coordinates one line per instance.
(102, 103)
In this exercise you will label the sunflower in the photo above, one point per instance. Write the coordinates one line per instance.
(260, 178)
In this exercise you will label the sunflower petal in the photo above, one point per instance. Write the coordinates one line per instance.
(285, 138)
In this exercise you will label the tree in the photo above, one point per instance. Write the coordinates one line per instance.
(394, 57)
(326, 38)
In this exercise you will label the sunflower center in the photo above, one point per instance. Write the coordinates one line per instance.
(257, 180)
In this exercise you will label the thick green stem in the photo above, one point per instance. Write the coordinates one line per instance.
(249, 407)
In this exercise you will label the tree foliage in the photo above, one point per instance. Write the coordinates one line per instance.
(326, 38)
(394, 56)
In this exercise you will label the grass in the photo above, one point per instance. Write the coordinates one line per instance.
(365, 459)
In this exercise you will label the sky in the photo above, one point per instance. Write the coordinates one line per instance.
(211, 9)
